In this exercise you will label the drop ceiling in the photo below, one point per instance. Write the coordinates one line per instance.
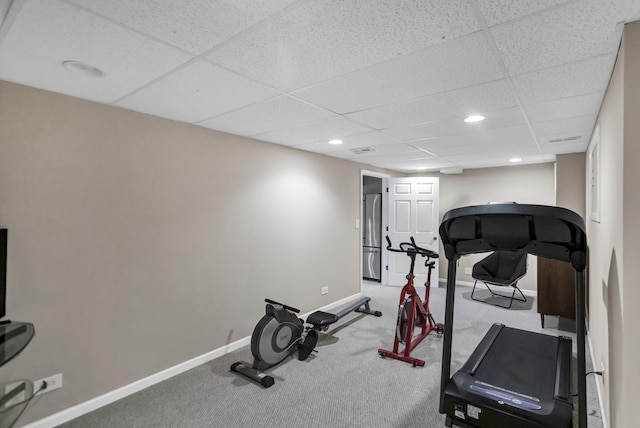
(392, 79)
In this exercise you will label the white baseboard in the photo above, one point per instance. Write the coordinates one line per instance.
(598, 389)
(108, 398)
(122, 392)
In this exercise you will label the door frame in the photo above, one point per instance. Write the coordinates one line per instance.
(385, 221)
(434, 245)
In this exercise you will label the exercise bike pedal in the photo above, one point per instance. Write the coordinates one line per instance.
(440, 328)
(308, 346)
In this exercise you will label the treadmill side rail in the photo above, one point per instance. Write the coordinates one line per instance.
(481, 350)
(562, 389)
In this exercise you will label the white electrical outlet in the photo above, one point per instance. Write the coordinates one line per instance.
(467, 271)
(324, 290)
(53, 382)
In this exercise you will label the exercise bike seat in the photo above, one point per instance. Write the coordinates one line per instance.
(322, 319)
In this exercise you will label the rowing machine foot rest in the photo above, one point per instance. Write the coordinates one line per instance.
(322, 319)
(308, 346)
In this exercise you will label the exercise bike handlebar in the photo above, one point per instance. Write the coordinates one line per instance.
(411, 248)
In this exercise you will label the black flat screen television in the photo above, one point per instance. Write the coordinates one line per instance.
(3, 272)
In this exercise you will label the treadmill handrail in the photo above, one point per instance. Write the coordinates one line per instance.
(552, 232)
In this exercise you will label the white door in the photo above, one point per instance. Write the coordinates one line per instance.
(413, 212)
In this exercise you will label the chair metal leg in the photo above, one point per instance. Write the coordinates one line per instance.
(511, 298)
(473, 291)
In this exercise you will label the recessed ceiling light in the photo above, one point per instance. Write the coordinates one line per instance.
(421, 168)
(335, 142)
(83, 69)
(474, 118)
(515, 160)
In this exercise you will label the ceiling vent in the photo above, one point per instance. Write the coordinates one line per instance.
(566, 139)
(362, 150)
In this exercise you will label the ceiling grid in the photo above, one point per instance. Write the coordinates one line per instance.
(392, 80)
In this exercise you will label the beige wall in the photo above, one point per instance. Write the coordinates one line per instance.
(525, 184)
(138, 243)
(614, 240)
(570, 182)
(605, 240)
(631, 226)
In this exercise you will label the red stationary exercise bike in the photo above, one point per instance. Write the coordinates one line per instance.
(412, 311)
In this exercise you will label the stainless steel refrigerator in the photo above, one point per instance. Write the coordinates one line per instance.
(372, 236)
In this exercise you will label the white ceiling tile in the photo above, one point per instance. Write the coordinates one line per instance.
(500, 155)
(577, 146)
(47, 33)
(623, 10)
(393, 149)
(513, 136)
(399, 153)
(415, 166)
(196, 92)
(499, 11)
(502, 151)
(501, 160)
(464, 149)
(494, 119)
(323, 39)
(565, 126)
(193, 25)
(459, 63)
(458, 103)
(579, 78)
(580, 105)
(268, 115)
(322, 130)
(380, 152)
(369, 140)
(477, 152)
(481, 149)
(570, 33)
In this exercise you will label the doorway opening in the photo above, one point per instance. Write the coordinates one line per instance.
(373, 214)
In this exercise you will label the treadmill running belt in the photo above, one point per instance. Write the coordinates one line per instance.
(516, 357)
(511, 381)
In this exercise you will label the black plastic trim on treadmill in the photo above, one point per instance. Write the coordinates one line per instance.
(563, 370)
(481, 350)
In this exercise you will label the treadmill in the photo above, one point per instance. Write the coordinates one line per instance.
(514, 378)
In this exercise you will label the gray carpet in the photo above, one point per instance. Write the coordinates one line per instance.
(346, 384)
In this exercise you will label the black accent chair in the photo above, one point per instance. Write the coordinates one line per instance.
(501, 268)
